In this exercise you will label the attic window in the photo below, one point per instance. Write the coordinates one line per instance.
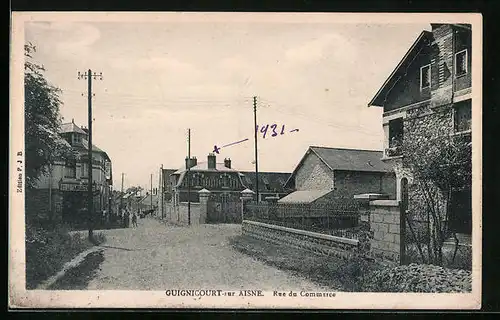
(461, 63)
(425, 76)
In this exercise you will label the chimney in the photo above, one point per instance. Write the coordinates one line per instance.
(227, 163)
(211, 161)
(191, 162)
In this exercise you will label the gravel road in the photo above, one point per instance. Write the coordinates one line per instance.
(158, 257)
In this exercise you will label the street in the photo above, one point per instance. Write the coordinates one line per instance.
(158, 257)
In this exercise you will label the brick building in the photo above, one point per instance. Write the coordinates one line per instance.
(339, 173)
(431, 87)
(62, 193)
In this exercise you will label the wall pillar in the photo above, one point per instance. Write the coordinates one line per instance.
(246, 196)
(204, 197)
(385, 226)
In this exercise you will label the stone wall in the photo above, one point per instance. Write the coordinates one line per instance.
(385, 227)
(350, 183)
(313, 174)
(314, 242)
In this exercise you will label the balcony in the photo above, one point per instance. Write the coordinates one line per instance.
(392, 152)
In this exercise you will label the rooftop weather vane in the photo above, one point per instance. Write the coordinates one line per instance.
(263, 129)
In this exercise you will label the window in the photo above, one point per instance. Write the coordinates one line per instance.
(395, 137)
(461, 63)
(225, 181)
(425, 76)
(462, 116)
(70, 169)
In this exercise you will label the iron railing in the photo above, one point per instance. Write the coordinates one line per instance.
(339, 218)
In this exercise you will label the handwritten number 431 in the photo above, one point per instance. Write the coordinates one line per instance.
(265, 130)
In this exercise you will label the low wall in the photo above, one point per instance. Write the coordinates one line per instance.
(316, 242)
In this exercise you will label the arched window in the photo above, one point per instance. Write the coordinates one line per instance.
(404, 193)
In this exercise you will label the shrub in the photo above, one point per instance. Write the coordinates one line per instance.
(418, 278)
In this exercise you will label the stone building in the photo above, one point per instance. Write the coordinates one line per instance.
(61, 194)
(429, 91)
(339, 173)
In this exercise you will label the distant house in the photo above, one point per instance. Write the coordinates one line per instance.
(167, 184)
(271, 184)
(339, 173)
(224, 182)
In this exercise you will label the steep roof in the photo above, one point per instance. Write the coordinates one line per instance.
(346, 159)
(146, 200)
(275, 180)
(71, 127)
(424, 38)
(352, 159)
(85, 144)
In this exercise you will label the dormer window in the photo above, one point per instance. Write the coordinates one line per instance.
(461, 63)
(425, 76)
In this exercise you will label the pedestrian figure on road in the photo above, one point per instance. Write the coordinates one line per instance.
(134, 220)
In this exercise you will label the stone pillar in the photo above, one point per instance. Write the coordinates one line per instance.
(246, 195)
(204, 196)
(385, 226)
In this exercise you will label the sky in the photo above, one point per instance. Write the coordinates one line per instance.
(161, 78)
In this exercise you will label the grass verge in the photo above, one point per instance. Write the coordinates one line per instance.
(326, 271)
(77, 278)
(49, 248)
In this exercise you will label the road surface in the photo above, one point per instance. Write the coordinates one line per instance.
(154, 256)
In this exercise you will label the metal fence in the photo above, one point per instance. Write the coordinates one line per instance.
(339, 217)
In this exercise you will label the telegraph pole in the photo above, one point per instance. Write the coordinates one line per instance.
(121, 198)
(151, 195)
(256, 157)
(162, 187)
(189, 177)
(89, 75)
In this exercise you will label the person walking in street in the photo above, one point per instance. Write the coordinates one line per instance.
(134, 220)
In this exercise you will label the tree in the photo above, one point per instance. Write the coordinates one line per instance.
(134, 190)
(42, 120)
(440, 163)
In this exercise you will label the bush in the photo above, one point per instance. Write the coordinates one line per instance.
(48, 249)
(418, 278)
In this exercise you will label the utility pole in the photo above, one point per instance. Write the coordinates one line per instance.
(89, 75)
(121, 197)
(189, 176)
(162, 187)
(256, 157)
(151, 195)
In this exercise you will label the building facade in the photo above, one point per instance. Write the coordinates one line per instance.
(340, 173)
(62, 193)
(429, 91)
(224, 182)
